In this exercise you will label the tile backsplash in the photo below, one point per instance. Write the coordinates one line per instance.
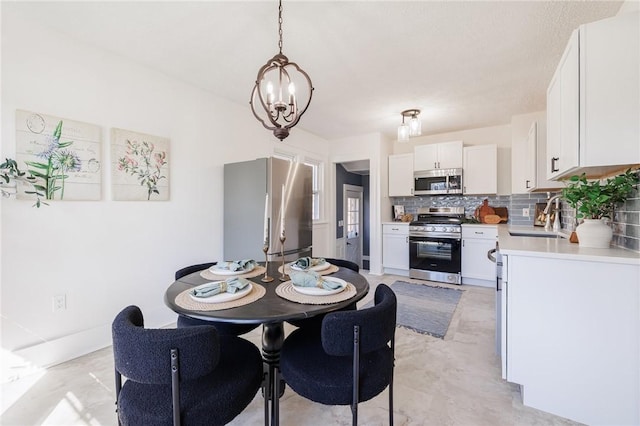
(626, 221)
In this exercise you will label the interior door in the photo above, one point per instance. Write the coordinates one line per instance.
(353, 218)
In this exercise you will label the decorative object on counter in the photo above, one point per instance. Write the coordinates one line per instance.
(540, 217)
(277, 77)
(413, 128)
(407, 217)
(596, 200)
(398, 212)
(484, 210)
(492, 219)
(573, 238)
(503, 212)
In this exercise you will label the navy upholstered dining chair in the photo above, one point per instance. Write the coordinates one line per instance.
(317, 320)
(224, 328)
(343, 263)
(189, 376)
(351, 358)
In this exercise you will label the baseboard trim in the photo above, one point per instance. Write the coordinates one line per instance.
(57, 351)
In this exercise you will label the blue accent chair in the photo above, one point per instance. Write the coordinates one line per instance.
(316, 321)
(189, 376)
(224, 328)
(350, 360)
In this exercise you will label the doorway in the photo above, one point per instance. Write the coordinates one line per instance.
(353, 223)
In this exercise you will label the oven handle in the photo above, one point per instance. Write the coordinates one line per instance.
(417, 240)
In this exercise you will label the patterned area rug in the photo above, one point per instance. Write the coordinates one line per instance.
(424, 308)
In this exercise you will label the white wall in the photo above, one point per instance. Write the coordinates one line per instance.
(499, 135)
(106, 255)
(372, 147)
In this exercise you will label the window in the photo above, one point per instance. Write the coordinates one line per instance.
(316, 173)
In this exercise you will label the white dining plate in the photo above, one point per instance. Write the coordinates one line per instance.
(221, 271)
(222, 297)
(317, 268)
(315, 291)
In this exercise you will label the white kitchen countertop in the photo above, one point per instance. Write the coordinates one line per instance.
(396, 223)
(558, 248)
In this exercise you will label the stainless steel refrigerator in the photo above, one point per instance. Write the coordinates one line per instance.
(245, 187)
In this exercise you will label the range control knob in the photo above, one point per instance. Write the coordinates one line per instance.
(432, 228)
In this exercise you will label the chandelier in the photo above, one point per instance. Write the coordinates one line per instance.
(275, 99)
(412, 128)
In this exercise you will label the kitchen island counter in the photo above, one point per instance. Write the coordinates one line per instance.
(558, 248)
(570, 327)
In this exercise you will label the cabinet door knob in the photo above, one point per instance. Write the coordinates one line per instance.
(553, 164)
(527, 184)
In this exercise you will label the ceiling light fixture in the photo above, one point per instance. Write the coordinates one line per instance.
(277, 77)
(413, 128)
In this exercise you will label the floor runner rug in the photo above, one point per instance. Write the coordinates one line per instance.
(425, 309)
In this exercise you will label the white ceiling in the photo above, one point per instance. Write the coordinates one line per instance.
(465, 64)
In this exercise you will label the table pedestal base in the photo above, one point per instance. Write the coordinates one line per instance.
(272, 340)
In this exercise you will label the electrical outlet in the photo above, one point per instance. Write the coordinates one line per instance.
(59, 302)
(525, 212)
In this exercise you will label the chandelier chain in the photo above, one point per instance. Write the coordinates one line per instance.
(280, 26)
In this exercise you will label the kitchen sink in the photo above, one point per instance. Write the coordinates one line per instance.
(533, 234)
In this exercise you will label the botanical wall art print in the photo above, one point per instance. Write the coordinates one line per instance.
(140, 166)
(62, 157)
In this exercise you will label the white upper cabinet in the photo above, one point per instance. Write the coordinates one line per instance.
(446, 155)
(400, 175)
(480, 171)
(528, 167)
(592, 100)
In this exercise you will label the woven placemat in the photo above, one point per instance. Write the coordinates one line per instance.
(286, 291)
(185, 301)
(287, 267)
(207, 274)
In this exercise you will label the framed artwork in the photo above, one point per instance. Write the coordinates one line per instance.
(139, 166)
(398, 212)
(62, 156)
(540, 218)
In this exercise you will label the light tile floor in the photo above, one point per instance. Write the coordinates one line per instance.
(450, 381)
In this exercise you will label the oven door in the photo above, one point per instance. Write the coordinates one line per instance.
(435, 258)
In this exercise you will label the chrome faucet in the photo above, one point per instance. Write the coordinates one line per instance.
(556, 220)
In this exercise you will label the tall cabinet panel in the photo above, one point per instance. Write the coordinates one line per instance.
(562, 113)
(480, 169)
(401, 175)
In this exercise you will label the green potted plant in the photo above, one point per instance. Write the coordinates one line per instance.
(595, 200)
(10, 174)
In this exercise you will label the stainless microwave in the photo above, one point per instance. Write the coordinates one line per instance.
(437, 181)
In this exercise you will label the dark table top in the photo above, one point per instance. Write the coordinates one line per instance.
(271, 307)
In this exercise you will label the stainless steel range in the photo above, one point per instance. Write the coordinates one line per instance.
(435, 244)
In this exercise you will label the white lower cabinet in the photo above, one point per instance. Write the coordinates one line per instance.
(572, 336)
(395, 248)
(477, 240)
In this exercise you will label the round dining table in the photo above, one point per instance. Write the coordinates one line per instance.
(271, 311)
